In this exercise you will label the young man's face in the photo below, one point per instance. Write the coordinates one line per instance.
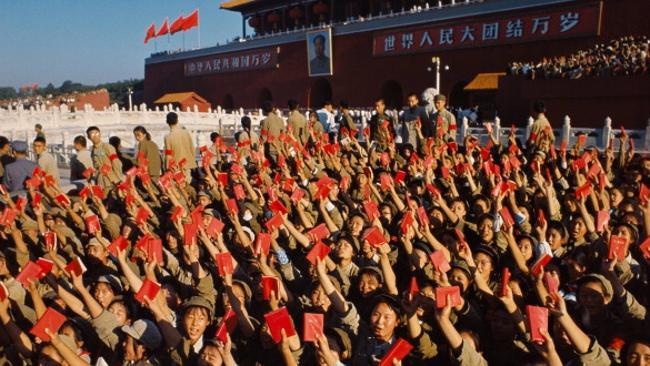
(439, 104)
(379, 107)
(413, 101)
(39, 147)
(95, 136)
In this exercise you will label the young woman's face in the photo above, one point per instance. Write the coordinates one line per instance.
(638, 355)
(368, 284)
(139, 136)
(459, 277)
(484, 264)
(344, 250)
(103, 293)
(591, 296)
(195, 321)
(554, 238)
(526, 248)
(383, 322)
(120, 312)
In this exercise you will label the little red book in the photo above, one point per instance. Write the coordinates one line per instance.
(423, 216)
(440, 263)
(644, 194)
(602, 220)
(318, 233)
(443, 292)
(238, 190)
(537, 319)
(262, 244)
(155, 251)
(536, 269)
(645, 248)
(92, 224)
(552, 285)
(400, 176)
(372, 211)
(312, 326)
(50, 239)
(231, 205)
(141, 215)
(407, 222)
(414, 289)
(224, 263)
(583, 191)
(375, 237)
(270, 283)
(398, 351)
(37, 199)
(505, 280)
(227, 325)
(319, 250)
(385, 181)
(214, 227)
(88, 173)
(8, 216)
(617, 245)
(63, 200)
(4, 293)
(277, 207)
(508, 221)
(189, 233)
(223, 178)
(52, 320)
(119, 242)
(274, 223)
(197, 216)
(46, 266)
(149, 289)
(76, 266)
(177, 213)
(31, 272)
(278, 320)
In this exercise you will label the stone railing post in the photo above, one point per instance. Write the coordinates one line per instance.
(497, 128)
(606, 133)
(566, 130)
(529, 127)
(464, 129)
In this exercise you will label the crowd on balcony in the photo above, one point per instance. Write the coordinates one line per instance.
(624, 56)
(298, 245)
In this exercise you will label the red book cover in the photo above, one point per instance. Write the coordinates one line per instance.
(132, 172)
(38, 172)
(319, 250)
(515, 163)
(645, 248)
(552, 285)
(223, 178)
(84, 193)
(318, 233)
(414, 289)
(177, 213)
(385, 181)
(179, 177)
(197, 216)
(239, 192)
(617, 245)
(644, 194)
(88, 173)
(155, 251)
(33, 182)
(443, 292)
(98, 192)
(4, 293)
(21, 203)
(536, 269)
(384, 159)
(323, 192)
(224, 263)
(270, 283)
(583, 191)
(227, 325)
(312, 326)
(76, 266)
(541, 217)
(505, 280)
(168, 152)
(407, 222)
(119, 242)
(459, 235)
(50, 239)
(8, 216)
(602, 220)
(508, 221)
(274, 223)
(63, 200)
(149, 289)
(214, 227)
(52, 320)
(375, 237)
(278, 320)
(46, 266)
(262, 244)
(203, 148)
(231, 205)
(105, 169)
(594, 170)
(126, 185)
(444, 171)
(398, 351)
(372, 211)
(400, 176)
(440, 263)
(537, 319)
(345, 183)
(582, 139)
(92, 224)
(129, 199)
(31, 272)
(37, 199)
(189, 233)
(423, 216)
(277, 207)
(141, 216)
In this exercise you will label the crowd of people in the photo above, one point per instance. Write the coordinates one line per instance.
(295, 245)
(624, 56)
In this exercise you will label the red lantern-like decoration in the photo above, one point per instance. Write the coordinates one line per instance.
(273, 17)
(254, 21)
(296, 14)
(320, 9)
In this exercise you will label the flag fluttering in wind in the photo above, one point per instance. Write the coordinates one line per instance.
(164, 29)
(177, 25)
(151, 33)
(191, 20)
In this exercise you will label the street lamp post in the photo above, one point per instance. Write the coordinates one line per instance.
(130, 92)
(436, 60)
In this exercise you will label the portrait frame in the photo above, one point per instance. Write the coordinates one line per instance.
(322, 67)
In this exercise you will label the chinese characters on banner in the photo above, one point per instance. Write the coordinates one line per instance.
(264, 58)
(540, 25)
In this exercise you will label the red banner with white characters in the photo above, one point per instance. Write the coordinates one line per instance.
(539, 25)
(263, 58)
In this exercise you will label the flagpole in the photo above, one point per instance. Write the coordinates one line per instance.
(183, 40)
(198, 26)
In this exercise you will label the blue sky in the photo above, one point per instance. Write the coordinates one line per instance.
(95, 41)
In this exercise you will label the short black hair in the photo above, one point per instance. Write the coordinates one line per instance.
(91, 129)
(213, 136)
(321, 37)
(344, 104)
(327, 102)
(413, 94)
(267, 107)
(172, 118)
(115, 141)
(3, 141)
(539, 106)
(40, 139)
(246, 122)
(293, 104)
(80, 140)
(39, 126)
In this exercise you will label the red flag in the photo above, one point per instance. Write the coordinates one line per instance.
(177, 25)
(151, 33)
(164, 29)
(191, 21)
